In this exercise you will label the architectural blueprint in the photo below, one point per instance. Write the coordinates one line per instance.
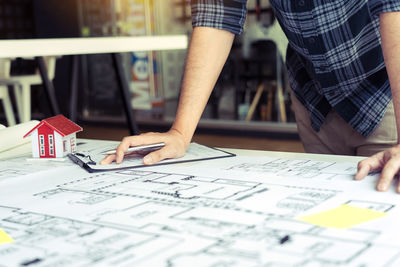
(241, 211)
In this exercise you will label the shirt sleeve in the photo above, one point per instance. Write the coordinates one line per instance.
(228, 15)
(377, 7)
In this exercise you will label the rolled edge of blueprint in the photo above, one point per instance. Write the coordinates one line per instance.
(13, 136)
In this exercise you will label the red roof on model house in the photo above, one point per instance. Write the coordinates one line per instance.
(60, 124)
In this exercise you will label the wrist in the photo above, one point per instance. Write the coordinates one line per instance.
(185, 138)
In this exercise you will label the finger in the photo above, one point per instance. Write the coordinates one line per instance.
(398, 185)
(388, 173)
(108, 159)
(155, 156)
(168, 152)
(137, 140)
(145, 139)
(363, 170)
(367, 165)
(122, 147)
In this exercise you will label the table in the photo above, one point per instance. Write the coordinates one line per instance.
(38, 48)
(242, 211)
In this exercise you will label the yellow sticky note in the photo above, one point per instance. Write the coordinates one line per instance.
(342, 217)
(5, 238)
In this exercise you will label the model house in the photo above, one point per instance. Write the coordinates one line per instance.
(54, 137)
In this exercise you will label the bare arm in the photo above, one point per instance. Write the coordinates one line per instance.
(208, 51)
(390, 25)
(389, 160)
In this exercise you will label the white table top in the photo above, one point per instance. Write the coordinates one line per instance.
(92, 45)
(25, 150)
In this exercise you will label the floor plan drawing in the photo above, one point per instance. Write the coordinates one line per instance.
(299, 168)
(22, 166)
(42, 240)
(170, 217)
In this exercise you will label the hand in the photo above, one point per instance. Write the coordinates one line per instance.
(388, 161)
(175, 147)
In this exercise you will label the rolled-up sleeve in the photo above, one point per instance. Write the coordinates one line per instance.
(227, 15)
(377, 7)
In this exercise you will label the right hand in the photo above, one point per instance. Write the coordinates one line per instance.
(387, 162)
(175, 147)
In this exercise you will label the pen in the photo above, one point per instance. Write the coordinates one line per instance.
(143, 148)
(284, 239)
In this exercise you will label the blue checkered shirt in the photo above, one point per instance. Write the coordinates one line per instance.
(334, 57)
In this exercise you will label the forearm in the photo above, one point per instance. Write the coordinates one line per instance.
(208, 51)
(389, 27)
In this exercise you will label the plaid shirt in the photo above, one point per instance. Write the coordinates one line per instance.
(334, 57)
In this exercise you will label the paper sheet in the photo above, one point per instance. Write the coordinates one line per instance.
(342, 217)
(12, 137)
(205, 213)
(18, 162)
(289, 171)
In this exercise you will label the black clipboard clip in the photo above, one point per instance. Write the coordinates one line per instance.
(90, 161)
(76, 158)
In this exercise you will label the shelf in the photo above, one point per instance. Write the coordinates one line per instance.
(228, 127)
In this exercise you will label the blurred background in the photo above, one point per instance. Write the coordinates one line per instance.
(249, 107)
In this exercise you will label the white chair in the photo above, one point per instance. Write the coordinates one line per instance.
(4, 95)
(22, 85)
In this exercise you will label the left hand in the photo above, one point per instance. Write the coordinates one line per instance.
(387, 161)
(175, 147)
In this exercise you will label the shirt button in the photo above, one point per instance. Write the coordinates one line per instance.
(322, 68)
(331, 93)
(301, 3)
(311, 40)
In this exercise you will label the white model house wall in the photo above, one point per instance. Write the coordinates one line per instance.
(58, 142)
(35, 144)
(69, 142)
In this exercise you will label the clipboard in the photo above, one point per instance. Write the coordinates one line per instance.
(89, 160)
